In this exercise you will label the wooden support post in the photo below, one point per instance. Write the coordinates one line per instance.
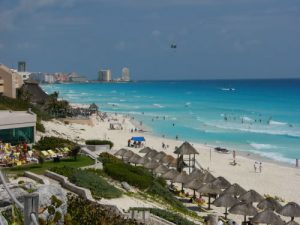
(31, 206)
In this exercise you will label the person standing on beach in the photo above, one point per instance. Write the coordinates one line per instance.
(260, 167)
(255, 166)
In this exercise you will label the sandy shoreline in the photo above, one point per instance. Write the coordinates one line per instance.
(275, 179)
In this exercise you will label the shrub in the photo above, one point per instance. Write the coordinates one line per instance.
(108, 158)
(172, 217)
(46, 143)
(40, 127)
(84, 212)
(136, 176)
(156, 189)
(84, 178)
(99, 142)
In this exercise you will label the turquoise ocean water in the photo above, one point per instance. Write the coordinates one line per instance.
(261, 116)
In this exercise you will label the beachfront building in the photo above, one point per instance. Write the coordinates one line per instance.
(10, 81)
(125, 74)
(17, 126)
(22, 66)
(105, 75)
(76, 78)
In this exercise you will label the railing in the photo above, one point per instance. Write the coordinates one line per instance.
(30, 208)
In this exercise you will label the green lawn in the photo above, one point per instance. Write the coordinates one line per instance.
(40, 169)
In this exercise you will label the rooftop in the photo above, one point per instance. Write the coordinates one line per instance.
(16, 117)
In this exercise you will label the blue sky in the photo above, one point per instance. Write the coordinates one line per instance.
(216, 39)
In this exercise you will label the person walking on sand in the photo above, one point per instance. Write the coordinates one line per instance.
(255, 167)
(260, 167)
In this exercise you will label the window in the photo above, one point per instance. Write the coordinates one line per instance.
(17, 135)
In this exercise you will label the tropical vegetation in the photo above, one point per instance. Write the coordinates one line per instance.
(141, 178)
(99, 187)
(46, 143)
(92, 213)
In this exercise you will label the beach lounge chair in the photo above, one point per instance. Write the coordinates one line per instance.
(66, 150)
(45, 154)
(52, 153)
(30, 153)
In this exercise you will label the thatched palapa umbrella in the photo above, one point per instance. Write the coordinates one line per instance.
(173, 163)
(291, 209)
(226, 201)
(151, 165)
(121, 152)
(161, 169)
(151, 154)
(208, 177)
(181, 178)
(159, 156)
(251, 196)
(222, 182)
(143, 160)
(128, 154)
(245, 209)
(292, 223)
(134, 159)
(187, 149)
(235, 190)
(210, 189)
(170, 175)
(269, 203)
(145, 150)
(194, 184)
(267, 217)
(166, 159)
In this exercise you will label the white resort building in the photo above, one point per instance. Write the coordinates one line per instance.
(10, 81)
(17, 126)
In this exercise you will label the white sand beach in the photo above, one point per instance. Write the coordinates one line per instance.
(274, 179)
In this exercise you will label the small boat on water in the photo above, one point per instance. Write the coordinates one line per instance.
(222, 150)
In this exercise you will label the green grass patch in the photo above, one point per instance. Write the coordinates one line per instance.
(99, 187)
(41, 168)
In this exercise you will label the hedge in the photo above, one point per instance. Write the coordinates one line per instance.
(46, 143)
(99, 142)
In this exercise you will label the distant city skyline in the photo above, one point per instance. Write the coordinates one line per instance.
(214, 39)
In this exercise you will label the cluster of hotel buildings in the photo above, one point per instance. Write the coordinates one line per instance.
(106, 76)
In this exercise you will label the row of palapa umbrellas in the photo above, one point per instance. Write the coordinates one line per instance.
(231, 196)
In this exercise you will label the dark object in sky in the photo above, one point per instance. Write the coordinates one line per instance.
(173, 46)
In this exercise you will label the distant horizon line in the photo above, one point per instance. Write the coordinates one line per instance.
(219, 79)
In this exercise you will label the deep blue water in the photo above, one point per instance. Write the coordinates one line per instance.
(262, 116)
